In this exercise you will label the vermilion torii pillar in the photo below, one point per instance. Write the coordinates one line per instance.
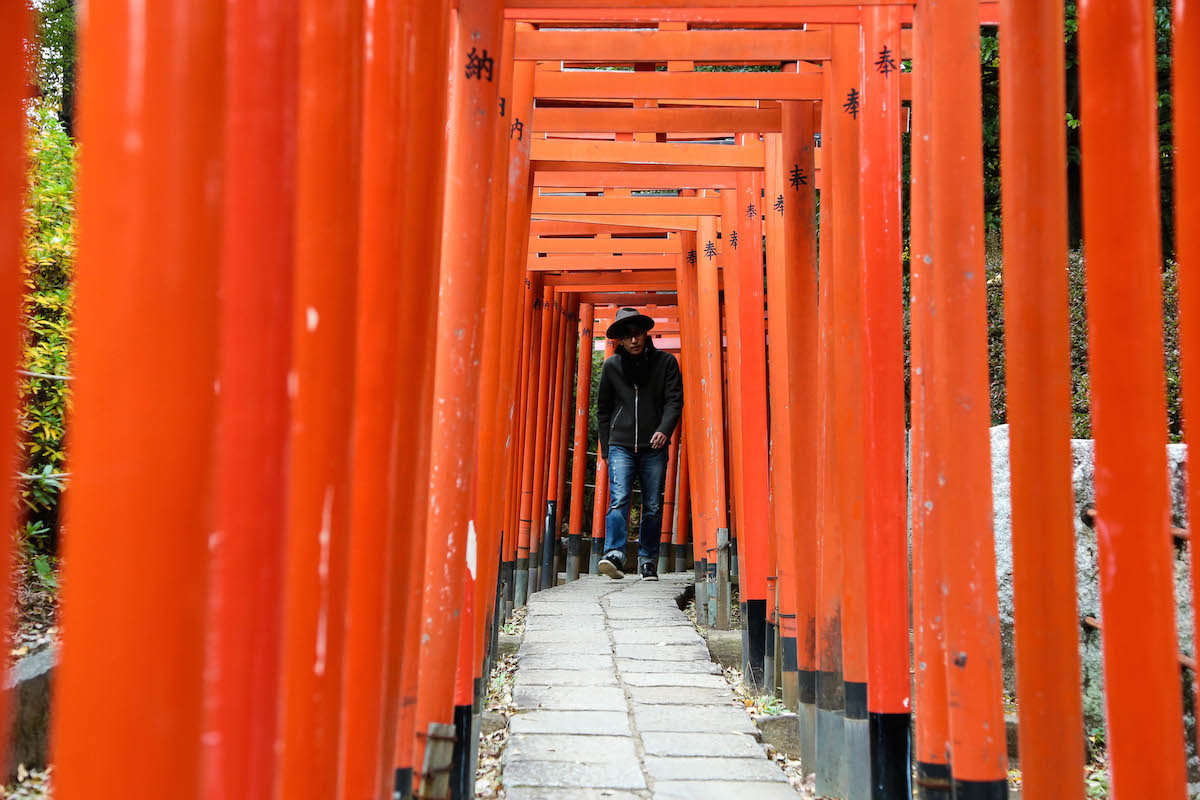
(669, 504)
(802, 332)
(583, 394)
(451, 555)
(712, 434)
(886, 541)
(599, 495)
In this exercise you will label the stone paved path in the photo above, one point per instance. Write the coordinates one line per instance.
(617, 698)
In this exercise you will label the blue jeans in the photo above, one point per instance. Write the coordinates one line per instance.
(650, 466)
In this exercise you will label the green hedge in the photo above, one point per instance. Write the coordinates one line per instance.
(49, 301)
(1081, 417)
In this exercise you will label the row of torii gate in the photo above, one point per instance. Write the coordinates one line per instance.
(338, 263)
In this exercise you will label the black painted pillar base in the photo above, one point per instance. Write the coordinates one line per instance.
(521, 582)
(461, 759)
(891, 756)
(594, 546)
(770, 668)
(754, 621)
(679, 553)
(981, 790)
(572, 557)
(508, 571)
(789, 683)
(829, 762)
(806, 714)
(549, 575)
(402, 784)
(933, 781)
(858, 742)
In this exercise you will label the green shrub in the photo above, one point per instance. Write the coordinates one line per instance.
(1081, 414)
(49, 301)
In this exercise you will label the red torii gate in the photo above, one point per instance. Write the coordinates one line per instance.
(297, 162)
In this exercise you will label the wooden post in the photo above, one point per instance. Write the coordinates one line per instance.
(1037, 341)
(668, 508)
(885, 552)
(802, 332)
(831, 694)
(959, 453)
(426, 38)
(583, 395)
(717, 543)
(929, 679)
(145, 364)
(451, 552)
(253, 415)
(1122, 231)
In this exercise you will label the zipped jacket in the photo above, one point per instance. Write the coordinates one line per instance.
(638, 397)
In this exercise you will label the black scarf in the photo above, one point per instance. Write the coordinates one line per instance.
(637, 368)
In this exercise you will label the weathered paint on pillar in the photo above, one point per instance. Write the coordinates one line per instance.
(1037, 348)
(960, 485)
(583, 393)
(885, 550)
(253, 417)
(149, 250)
(426, 37)
(1123, 238)
(451, 551)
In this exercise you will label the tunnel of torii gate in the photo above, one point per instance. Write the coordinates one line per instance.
(367, 252)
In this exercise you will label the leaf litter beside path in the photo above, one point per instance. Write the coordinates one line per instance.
(31, 785)
(498, 700)
(761, 705)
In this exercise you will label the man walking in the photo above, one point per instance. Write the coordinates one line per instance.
(637, 408)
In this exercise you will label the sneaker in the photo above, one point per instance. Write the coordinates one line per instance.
(611, 565)
(649, 571)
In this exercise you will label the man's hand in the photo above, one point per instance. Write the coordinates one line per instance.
(658, 440)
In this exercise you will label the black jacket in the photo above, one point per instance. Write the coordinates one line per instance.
(638, 396)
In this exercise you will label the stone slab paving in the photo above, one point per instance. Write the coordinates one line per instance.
(617, 698)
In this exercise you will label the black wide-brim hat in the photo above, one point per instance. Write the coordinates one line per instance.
(628, 318)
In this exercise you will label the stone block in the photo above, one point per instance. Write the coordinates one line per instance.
(707, 745)
(564, 677)
(666, 652)
(581, 749)
(571, 609)
(701, 681)
(681, 696)
(30, 684)
(725, 647)
(644, 612)
(546, 774)
(659, 621)
(568, 698)
(533, 793)
(723, 790)
(564, 623)
(714, 769)
(705, 719)
(569, 636)
(508, 644)
(1087, 568)
(659, 667)
(590, 648)
(658, 635)
(587, 723)
(492, 722)
(782, 731)
(566, 661)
